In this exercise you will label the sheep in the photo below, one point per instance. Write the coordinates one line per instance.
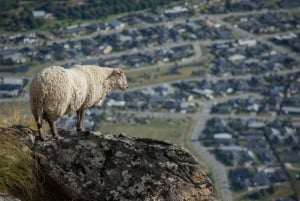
(56, 91)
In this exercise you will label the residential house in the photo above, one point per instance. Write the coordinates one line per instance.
(117, 25)
(224, 139)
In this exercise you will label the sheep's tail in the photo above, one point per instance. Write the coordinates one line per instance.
(36, 104)
(37, 110)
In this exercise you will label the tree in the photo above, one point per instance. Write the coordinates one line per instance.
(254, 196)
(227, 5)
(6, 61)
(7, 5)
(271, 189)
(31, 22)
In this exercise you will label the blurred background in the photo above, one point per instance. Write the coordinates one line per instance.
(219, 77)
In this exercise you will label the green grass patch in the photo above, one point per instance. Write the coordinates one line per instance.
(296, 165)
(283, 190)
(231, 19)
(268, 194)
(296, 12)
(236, 35)
(295, 182)
(172, 130)
(159, 75)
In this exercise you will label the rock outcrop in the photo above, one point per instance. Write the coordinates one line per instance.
(6, 197)
(91, 166)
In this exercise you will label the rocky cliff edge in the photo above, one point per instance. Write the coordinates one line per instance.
(94, 166)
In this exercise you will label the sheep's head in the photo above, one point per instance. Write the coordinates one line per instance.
(121, 80)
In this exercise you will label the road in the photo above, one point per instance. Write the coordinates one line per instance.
(218, 168)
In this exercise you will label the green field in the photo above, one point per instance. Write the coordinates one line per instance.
(295, 182)
(268, 194)
(170, 72)
(159, 75)
(172, 130)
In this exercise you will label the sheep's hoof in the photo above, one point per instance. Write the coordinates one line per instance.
(40, 138)
(84, 132)
(58, 137)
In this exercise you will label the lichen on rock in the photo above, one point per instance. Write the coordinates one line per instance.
(111, 167)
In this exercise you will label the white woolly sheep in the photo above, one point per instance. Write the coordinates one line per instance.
(56, 91)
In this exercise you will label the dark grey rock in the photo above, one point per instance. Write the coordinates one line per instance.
(108, 167)
(6, 197)
(91, 167)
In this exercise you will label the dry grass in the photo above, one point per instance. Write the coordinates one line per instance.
(16, 113)
(18, 170)
(17, 167)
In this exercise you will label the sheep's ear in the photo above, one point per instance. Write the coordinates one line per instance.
(118, 71)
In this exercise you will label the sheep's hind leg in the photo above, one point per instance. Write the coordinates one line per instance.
(40, 130)
(79, 120)
(39, 122)
(53, 129)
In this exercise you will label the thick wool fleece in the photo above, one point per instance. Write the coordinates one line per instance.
(56, 91)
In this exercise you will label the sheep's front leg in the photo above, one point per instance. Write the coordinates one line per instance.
(79, 119)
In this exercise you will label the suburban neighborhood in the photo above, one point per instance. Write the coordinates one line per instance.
(232, 67)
